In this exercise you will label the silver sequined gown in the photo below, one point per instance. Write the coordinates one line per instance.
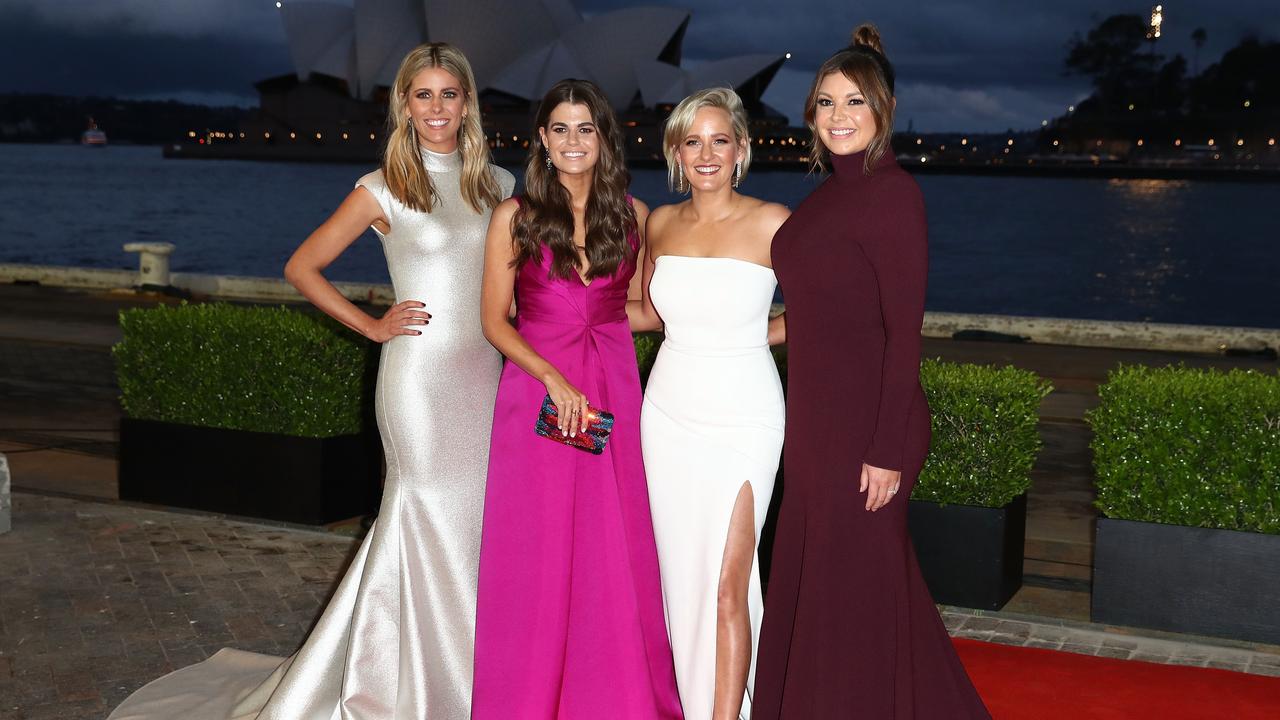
(396, 639)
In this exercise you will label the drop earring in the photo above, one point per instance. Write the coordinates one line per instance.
(737, 173)
(548, 154)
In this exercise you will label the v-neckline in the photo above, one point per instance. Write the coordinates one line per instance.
(578, 272)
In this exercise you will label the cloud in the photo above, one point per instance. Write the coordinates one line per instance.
(962, 64)
(243, 19)
(942, 108)
(38, 54)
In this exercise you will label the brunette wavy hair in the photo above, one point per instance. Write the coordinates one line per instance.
(862, 61)
(407, 178)
(545, 216)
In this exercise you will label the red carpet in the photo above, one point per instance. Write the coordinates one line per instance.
(1020, 683)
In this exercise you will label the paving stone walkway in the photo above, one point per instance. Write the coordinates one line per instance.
(97, 599)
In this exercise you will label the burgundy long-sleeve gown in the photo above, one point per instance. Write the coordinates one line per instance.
(850, 630)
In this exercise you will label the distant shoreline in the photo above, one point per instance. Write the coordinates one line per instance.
(1027, 166)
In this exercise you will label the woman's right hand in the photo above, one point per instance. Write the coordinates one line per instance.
(571, 405)
(397, 320)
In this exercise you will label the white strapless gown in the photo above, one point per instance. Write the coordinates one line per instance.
(712, 420)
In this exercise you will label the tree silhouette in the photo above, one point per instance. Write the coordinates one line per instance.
(1249, 71)
(1198, 38)
(1109, 55)
(1170, 91)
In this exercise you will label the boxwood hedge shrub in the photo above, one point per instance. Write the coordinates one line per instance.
(1191, 447)
(984, 427)
(984, 433)
(266, 369)
(272, 369)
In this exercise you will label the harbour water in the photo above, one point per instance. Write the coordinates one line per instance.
(1158, 250)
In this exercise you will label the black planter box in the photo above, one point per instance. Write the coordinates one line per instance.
(1203, 581)
(264, 475)
(970, 556)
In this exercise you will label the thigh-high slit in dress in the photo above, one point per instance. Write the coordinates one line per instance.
(712, 423)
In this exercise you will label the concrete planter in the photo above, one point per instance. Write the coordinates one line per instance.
(1203, 581)
(970, 556)
(277, 477)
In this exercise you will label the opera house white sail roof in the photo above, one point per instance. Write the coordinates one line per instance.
(517, 48)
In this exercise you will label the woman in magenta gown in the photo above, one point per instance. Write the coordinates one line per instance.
(569, 621)
(850, 630)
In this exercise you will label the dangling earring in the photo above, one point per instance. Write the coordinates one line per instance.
(548, 154)
(737, 173)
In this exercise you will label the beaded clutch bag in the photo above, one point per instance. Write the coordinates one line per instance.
(599, 425)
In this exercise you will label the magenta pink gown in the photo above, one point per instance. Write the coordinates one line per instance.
(569, 620)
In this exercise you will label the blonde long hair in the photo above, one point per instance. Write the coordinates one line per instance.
(407, 178)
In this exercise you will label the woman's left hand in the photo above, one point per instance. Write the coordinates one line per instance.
(882, 485)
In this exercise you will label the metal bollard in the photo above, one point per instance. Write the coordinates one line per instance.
(5, 502)
(153, 263)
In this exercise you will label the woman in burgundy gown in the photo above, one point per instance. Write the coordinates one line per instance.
(849, 627)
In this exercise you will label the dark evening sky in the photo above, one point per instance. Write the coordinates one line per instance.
(972, 65)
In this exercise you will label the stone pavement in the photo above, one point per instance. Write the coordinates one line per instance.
(96, 599)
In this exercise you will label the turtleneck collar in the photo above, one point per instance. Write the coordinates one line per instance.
(441, 162)
(850, 167)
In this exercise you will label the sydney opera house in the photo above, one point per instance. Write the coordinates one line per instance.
(345, 56)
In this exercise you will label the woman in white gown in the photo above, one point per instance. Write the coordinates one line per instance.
(712, 419)
(396, 640)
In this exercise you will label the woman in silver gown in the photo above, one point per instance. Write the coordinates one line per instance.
(396, 640)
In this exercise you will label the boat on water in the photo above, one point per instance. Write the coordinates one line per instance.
(93, 136)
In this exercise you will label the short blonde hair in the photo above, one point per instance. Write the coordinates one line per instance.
(681, 119)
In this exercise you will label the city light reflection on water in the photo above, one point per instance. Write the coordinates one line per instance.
(1169, 251)
(1147, 264)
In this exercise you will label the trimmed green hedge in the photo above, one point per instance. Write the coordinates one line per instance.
(984, 433)
(1189, 447)
(984, 427)
(272, 369)
(646, 352)
(266, 369)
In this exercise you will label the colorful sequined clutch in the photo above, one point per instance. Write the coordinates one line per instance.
(599, 425)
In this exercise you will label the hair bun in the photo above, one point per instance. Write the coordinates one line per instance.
(866, 35)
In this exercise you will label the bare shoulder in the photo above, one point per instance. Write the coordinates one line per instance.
(508, 206)
(770, 215)
(642, 210)
(504, 212)
(660, 219)
(660, 215)
(766, 217)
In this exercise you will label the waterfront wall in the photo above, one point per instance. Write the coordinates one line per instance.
(1048, 331)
